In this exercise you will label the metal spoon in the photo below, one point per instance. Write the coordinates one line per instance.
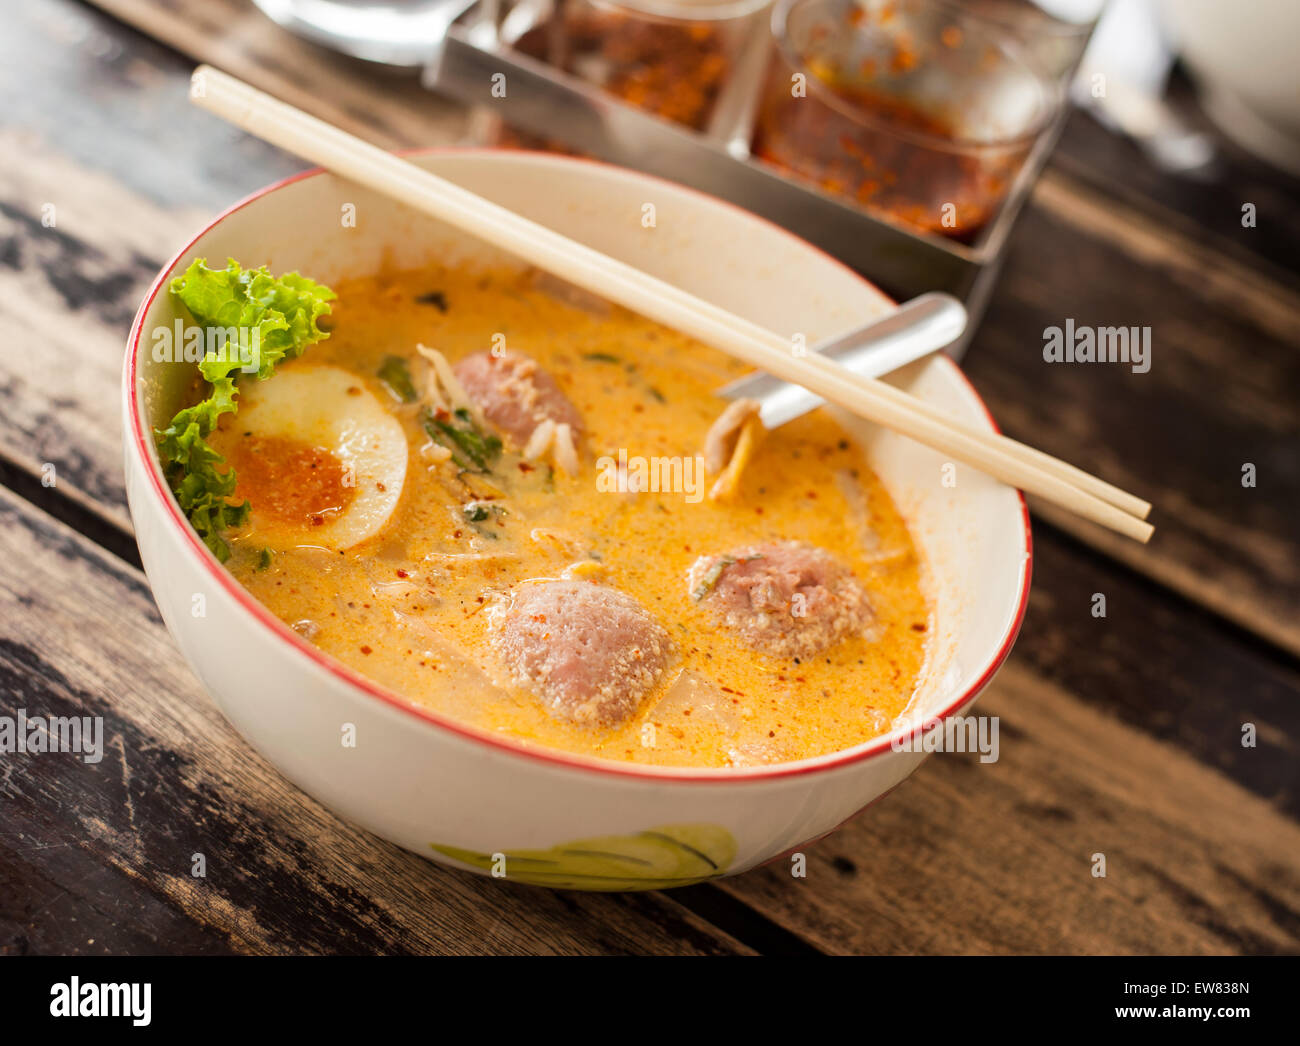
(915, 329)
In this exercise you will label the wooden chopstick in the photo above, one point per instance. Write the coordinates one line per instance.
(350, 157)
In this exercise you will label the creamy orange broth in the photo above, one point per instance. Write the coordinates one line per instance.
(409, 608)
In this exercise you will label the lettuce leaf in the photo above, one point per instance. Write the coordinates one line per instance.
(273, 318)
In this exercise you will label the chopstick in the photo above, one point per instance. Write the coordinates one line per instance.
(350, 157)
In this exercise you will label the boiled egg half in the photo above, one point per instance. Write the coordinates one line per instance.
(317, 456)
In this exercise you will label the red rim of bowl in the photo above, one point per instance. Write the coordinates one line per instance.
(700, 775)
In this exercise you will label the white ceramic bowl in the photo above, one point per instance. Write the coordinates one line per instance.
(427, 782)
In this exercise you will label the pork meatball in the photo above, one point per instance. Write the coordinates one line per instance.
(590, 652)
(783, 598)
(515, 394)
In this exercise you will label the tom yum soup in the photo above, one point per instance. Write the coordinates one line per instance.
(526, 509)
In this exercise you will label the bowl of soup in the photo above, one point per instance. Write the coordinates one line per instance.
(486, 565)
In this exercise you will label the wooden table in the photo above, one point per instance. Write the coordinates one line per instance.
(1121, 735)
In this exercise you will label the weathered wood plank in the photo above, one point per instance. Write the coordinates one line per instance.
(1166, 668)
(1186, 264)
(59, 898)
(1204, 208)
(108, 96)
(283, 874)
(66, 295)
(1216, 398)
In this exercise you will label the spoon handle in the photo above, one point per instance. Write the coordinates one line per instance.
(915, 329)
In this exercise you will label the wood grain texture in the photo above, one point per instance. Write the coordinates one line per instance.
(283, 875)
(1168, 669)
(1222, 353)
(1206, 208)
(66, 303)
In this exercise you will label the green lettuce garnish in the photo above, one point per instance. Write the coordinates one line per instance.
(274, 318)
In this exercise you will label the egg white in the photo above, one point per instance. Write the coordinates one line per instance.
(312, 405)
